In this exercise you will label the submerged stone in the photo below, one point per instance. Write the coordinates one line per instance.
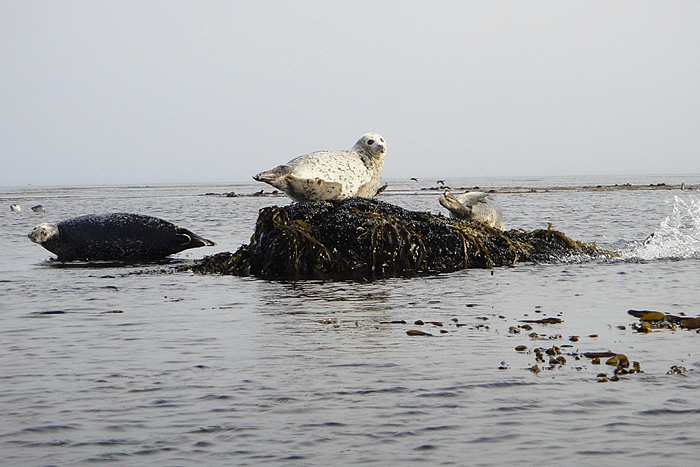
(690, 323)
(653, 316)
(543, 321)
(365, 239)
(619, 360)
(415, 332)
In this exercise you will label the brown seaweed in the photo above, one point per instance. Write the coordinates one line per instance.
(365, 239)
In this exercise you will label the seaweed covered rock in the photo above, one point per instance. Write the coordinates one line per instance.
(360, 238)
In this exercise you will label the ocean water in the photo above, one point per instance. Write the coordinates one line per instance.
(142, 365)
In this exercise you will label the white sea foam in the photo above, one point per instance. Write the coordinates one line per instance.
(677, 237)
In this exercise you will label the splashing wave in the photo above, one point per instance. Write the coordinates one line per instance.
(677, 237)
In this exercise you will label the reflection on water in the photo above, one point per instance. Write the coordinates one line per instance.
(142, 364)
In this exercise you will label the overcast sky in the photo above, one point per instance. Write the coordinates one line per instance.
(99, 92)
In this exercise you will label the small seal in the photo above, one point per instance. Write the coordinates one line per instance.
(332, 175)
(115, 237)
(15, 207)
(473, 206)
(38, 208)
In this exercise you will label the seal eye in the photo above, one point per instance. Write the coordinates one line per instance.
(370, 141)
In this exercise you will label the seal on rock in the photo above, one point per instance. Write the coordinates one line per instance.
(473, 206)
(332, 175)
(115, 237)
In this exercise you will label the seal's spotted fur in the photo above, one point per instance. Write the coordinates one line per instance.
(331, 175)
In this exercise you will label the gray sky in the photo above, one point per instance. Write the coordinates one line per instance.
(95, 92)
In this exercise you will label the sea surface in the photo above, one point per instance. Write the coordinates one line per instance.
(107, 364)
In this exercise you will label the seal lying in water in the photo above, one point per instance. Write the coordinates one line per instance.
(332, 175)
(473, 206)
(115, 237)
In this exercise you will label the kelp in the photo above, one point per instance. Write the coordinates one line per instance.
(365, 239)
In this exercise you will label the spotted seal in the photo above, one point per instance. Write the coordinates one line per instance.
(332, 175)
(473, 206)
(115, 237)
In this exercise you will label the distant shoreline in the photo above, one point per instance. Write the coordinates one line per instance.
(505, 190)
(615, 187)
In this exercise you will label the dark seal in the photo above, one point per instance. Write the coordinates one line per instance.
(115, 237)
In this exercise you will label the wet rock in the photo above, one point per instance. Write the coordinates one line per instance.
(599, 354)
(690, 323)
(638, 313)
(653, 316)
(360, 238)
(538, 354)
(657, 320)
(618, 360)
(543, 321)
(676, 370)
(415, 332)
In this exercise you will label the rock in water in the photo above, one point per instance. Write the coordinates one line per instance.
(115, 237)
(361, 238)
(473, 206)
(331, 175)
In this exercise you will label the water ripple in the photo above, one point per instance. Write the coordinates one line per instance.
(218, 370)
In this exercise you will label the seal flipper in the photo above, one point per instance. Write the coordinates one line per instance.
(192, 240)
(275, 177)
(381, 189)
(452, 204)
